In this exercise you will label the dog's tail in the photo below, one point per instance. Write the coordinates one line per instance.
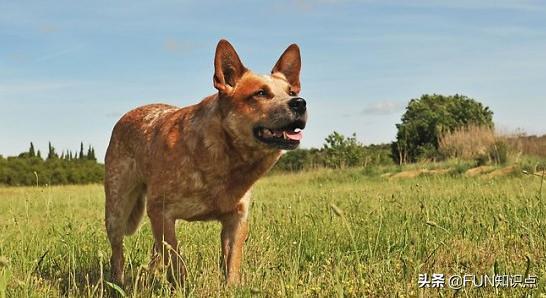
(136, 215)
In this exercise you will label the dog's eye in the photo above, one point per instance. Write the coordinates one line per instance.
(260, 93)
(292, 93)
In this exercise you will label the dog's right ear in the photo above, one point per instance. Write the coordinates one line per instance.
(228, 68)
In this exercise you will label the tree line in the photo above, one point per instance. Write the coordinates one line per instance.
(337, 152)
(30, 168)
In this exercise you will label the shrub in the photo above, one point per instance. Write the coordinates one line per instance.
(499, 152)
(429, 116)
(343, 151)
(482, 159)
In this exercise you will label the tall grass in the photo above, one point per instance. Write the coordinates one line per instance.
(484, 145)
(467, 142)
(314, 234)
(528, 145)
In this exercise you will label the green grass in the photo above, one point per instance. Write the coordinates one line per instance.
(322, 233)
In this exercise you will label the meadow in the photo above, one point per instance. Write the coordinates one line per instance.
(318, 233)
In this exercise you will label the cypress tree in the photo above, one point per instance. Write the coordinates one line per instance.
(81, 151)
(91, 153)
(31, 151)
(51, 153)
(39, 154)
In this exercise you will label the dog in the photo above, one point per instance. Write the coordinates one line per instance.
(200, 162)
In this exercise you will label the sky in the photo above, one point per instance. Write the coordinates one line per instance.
(70, 69)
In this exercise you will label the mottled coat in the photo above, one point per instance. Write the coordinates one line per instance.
(200, 162)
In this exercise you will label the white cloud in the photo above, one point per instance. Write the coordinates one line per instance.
(48, 28)
(385, 107)
(60, 52)
(175, 46)
(30, 87)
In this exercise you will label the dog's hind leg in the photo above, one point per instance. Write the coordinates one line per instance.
(124, 208)
(166, 245)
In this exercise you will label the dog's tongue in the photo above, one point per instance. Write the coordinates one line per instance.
(296, 136)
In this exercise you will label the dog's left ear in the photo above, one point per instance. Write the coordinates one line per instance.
(228, 68)
(289, 65)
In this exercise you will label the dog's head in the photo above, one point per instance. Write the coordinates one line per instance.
(261, 110)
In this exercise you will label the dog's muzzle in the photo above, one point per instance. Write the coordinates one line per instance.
(298, 105)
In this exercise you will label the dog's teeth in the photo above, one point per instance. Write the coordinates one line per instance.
(297, 130)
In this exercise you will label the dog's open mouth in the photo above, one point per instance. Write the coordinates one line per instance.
(288, 137)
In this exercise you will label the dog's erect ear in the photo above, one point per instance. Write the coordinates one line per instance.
(228, 68)
(289, 65)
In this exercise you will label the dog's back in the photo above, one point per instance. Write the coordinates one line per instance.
(134, 130)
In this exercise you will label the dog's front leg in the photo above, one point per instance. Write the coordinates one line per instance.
(234, 234)
(166, 245)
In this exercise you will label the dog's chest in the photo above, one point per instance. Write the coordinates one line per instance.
(204, 195)
(207, 204)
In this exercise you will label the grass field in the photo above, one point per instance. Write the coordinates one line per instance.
(322, 233)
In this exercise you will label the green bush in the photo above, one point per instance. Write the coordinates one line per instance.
(427, 117)
(532, 164)
(482, 159)
(499, 152)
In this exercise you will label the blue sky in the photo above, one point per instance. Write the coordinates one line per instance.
(70, 69)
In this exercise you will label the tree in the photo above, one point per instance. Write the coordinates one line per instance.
(31, 151)
(81, 151)
(51, 154)
(429, 116)
(342, 151)
(91, 153)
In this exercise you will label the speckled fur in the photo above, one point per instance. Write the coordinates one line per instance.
(196, 163)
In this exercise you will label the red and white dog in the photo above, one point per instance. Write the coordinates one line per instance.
(200, 162)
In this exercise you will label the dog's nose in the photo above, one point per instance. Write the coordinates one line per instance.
(297, 105)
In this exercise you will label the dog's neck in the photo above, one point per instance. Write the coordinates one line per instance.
(222, 154)
(223, 145)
